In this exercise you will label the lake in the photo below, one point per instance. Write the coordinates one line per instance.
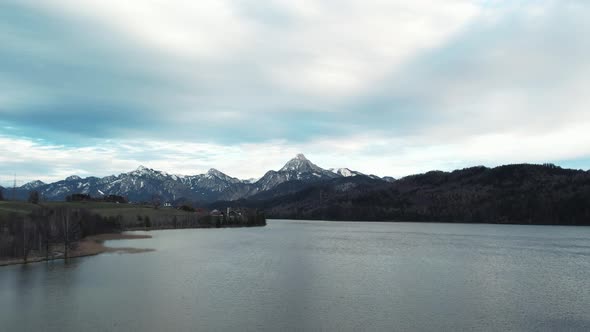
(314, 275)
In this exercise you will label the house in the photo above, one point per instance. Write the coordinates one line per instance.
(216, 213)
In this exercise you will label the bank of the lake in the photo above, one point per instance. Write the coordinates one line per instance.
(88, 246)
(58, 230)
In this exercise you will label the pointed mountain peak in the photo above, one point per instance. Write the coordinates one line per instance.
(141, 170)
(298, 168)
(73, 178)
(300, 156)
(33, 184)
(147, 172)
(298, 163)
(213, 171)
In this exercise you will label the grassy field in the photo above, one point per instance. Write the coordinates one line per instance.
(58, 229)
(131, 216)
(129, 212)
(9, 207)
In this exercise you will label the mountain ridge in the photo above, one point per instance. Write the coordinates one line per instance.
(509, 194)
(144, 183)
(517, 193)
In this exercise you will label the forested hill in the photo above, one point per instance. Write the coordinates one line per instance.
(524, 194)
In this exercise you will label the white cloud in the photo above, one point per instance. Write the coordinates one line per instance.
(395, 87)
(180, 28)
(367, 153)
(320, 48)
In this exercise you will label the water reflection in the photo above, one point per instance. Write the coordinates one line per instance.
(314, 276)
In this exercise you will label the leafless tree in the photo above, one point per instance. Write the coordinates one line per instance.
(156, 201)
(34, 197)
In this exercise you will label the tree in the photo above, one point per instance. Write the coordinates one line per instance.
(1, 194)
(115, 199)
(187, 208)
(34, 197)
(156, 201)
(78, 198)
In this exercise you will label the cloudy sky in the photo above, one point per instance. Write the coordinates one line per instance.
(388, 87)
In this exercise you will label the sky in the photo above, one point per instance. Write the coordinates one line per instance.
(385, 87)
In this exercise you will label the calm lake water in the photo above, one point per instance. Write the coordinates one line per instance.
(309, 275)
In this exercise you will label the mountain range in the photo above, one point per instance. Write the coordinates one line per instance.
(143, 184)
(519, 193)
(512, 194)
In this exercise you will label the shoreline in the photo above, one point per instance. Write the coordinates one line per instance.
(89, 246)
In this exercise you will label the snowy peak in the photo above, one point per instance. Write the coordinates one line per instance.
(73, 178)
(345, 172)
(214, 172)
(143, 171)
(33, 185)
(300, 156)
(298, 168)
(300, 164)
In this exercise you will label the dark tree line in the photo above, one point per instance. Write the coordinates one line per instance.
(524, 194)
(78, 198)
(249, 218)
(88, 198)
(50, 232)
(166, 221)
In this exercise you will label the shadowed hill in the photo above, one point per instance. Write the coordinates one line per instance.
(527, 194)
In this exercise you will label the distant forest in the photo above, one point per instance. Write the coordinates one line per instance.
(522, 194)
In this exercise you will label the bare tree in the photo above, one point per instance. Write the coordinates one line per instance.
(156, 201)
(34, 197)
(25, 251)
(66, 219)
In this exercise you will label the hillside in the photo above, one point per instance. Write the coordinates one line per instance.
(521, 193)
(527, 194)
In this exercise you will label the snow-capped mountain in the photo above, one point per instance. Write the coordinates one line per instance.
(388, 179)
(345, 172)
(298, 168)
(33, 185)
(143, 183)
(216, 184)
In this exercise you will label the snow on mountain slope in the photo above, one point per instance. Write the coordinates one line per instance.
(143, 183)
(345, 172)
(32, 185)
(298, 168)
